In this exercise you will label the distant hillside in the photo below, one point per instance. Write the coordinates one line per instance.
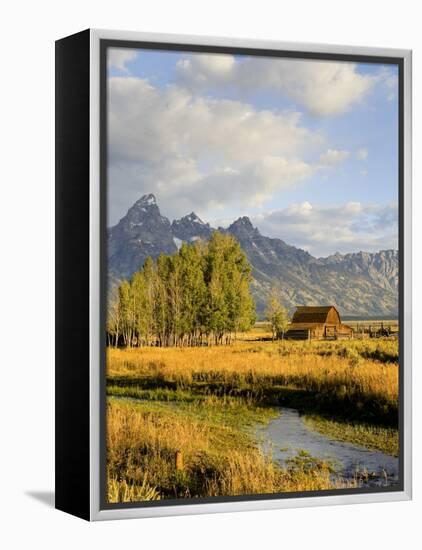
(361, 284)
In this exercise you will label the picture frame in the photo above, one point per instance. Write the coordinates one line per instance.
(82, 136)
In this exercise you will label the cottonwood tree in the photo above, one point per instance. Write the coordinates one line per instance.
(276, 314)
(113, 317)
(199, 295)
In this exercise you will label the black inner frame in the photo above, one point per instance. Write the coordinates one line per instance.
(180, 47)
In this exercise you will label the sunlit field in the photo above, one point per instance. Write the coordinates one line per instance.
(181, 422)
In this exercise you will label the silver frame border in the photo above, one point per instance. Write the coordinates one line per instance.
(124, 513)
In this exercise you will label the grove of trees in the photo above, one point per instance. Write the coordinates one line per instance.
(198, 296)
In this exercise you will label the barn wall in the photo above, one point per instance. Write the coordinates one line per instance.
(333, 318)
(305, 323)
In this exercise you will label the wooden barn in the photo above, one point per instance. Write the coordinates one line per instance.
(317, 322)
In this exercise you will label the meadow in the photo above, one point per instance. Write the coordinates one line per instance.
(203, 404)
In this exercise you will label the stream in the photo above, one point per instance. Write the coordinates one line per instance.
(287, 434)
(284, 436)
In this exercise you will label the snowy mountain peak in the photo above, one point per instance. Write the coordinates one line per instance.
(147, 200)
(190, 226)
(192, 217)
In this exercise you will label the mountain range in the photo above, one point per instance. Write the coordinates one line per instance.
(362, 284)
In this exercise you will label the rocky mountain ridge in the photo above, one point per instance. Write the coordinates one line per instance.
(361, 284)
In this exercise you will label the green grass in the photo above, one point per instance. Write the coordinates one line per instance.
(158, 394)
(372, 437)
(217, 412)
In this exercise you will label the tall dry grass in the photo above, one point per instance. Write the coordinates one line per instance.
(141, 447)
(199, 400)
(336, 374)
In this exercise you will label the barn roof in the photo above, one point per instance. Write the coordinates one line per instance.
(313, 314)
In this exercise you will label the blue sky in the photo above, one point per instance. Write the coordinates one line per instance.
(290, 143)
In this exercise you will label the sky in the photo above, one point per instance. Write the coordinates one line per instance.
(307, 149)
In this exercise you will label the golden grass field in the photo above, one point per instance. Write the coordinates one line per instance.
(205, 402)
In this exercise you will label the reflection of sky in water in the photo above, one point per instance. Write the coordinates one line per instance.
(286, 435)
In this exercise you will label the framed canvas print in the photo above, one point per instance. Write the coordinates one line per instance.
(233, 281)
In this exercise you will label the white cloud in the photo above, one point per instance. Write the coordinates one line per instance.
(323, 229)
(333, 157)
(201, 69)
(201, 153)
(391, 83)
(118, 57)
(322, 87)
(362, 154)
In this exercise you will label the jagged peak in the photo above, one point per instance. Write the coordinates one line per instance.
(194, 218)
(243, 222)
(144, 210)
(147, 200)
(191, 218)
